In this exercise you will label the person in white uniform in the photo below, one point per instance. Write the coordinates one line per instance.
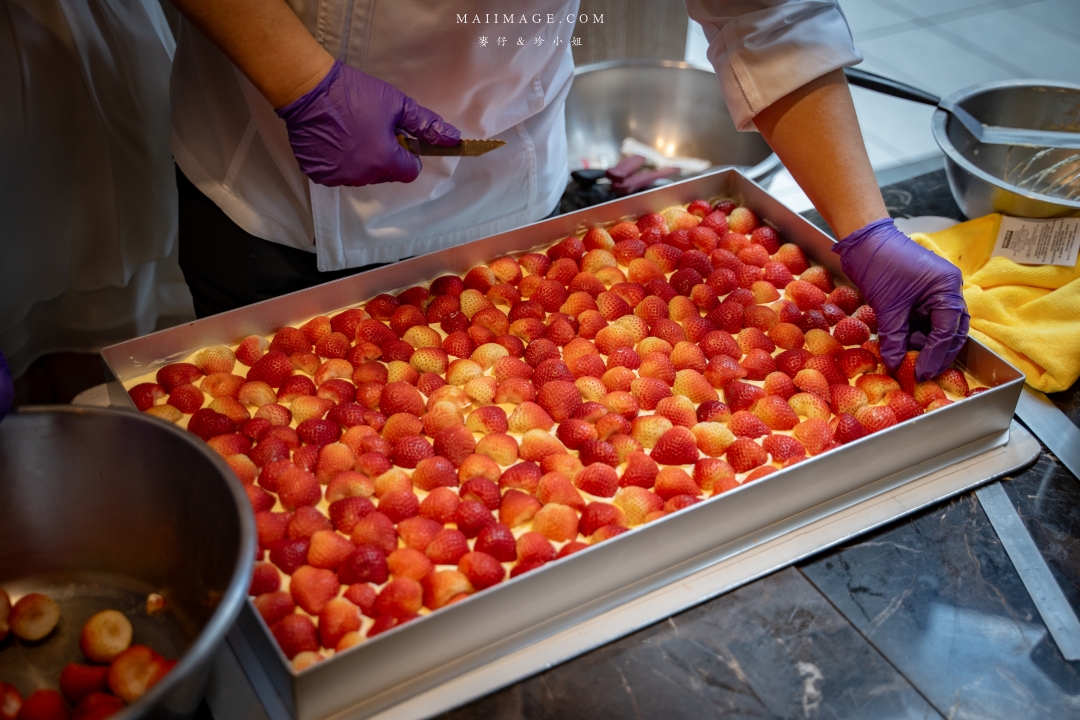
(285, 111)
(87, 193)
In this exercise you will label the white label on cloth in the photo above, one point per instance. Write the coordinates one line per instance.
(1039, 242)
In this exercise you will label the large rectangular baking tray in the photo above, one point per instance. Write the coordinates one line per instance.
(428, 651)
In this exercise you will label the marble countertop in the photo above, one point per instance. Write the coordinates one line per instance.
(924, 618)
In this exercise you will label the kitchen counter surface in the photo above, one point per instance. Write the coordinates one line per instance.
(923, 618)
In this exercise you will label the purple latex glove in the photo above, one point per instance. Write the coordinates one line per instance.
(7, 388)
(343, 132)
(914, 293)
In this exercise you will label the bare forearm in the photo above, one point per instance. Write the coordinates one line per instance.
(266, 40)
(815, 132)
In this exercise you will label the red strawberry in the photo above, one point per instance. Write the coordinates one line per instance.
(775, 412)
(442, 586)
(497, 541)
(557, 523)
(345, 512)
(265, 579)
(815, 435)
(742, 220)
(472, 517)
(927, 392)
(447, 547)
(481, 569)
(297, 488)
(402, 597)
(903, 405)
(44, 705)
(289, 555)
(846, 298)
(905, 374)
(846, 399)
(745, 424)
(146, 395)
(598, 479)
(868, 316)
(272, 368)
(96, 706)
(295, 634)
(175, 374)
(313, 587)
(876, 417)
(783, 447)
(366, 564)
(78, 681)
(338, 617)
(455, 443)
(401, 397)
(766, 237)
(953, 382)
(399, 505)
(876, 387)
(328, 550)
(418, 532)
(851, 331)
(848, 429)
(516, 508)
(744, 454)
(741, 396)
(677, 446)
(274, 606)
(856, 361)
(186, 398)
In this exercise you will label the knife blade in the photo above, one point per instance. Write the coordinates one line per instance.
(465, 148)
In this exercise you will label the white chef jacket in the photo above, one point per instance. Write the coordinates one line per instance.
(491, 73)
(87, 188)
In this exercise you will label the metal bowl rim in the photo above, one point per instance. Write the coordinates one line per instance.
(762, 170)
(939, 121)
(228, 609)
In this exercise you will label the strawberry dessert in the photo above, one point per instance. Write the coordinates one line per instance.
(422, 446)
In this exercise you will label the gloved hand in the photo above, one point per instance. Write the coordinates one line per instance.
(914, 293)
(343, 132)
(7, 388)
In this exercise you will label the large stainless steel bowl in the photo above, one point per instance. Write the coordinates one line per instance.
(671, 106)
(98, 508)
(976, 171)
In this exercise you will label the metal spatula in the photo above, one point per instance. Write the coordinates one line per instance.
(987, 134)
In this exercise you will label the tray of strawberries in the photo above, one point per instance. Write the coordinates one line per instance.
(556, 420)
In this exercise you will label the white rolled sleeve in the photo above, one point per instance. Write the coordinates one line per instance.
(764, 49)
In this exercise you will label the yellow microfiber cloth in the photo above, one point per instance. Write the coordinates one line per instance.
(1028, 314)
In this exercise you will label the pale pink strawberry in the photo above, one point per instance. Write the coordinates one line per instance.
(820, 342)
(712, 438)
(742, 220)
(775, 412)
(557, 523)
(876, 387)
(499, 447)
(537, 444)
(810, 405)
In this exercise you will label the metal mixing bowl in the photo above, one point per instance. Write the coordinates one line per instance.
(669, 105)
(976, 171)
(100, 507)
